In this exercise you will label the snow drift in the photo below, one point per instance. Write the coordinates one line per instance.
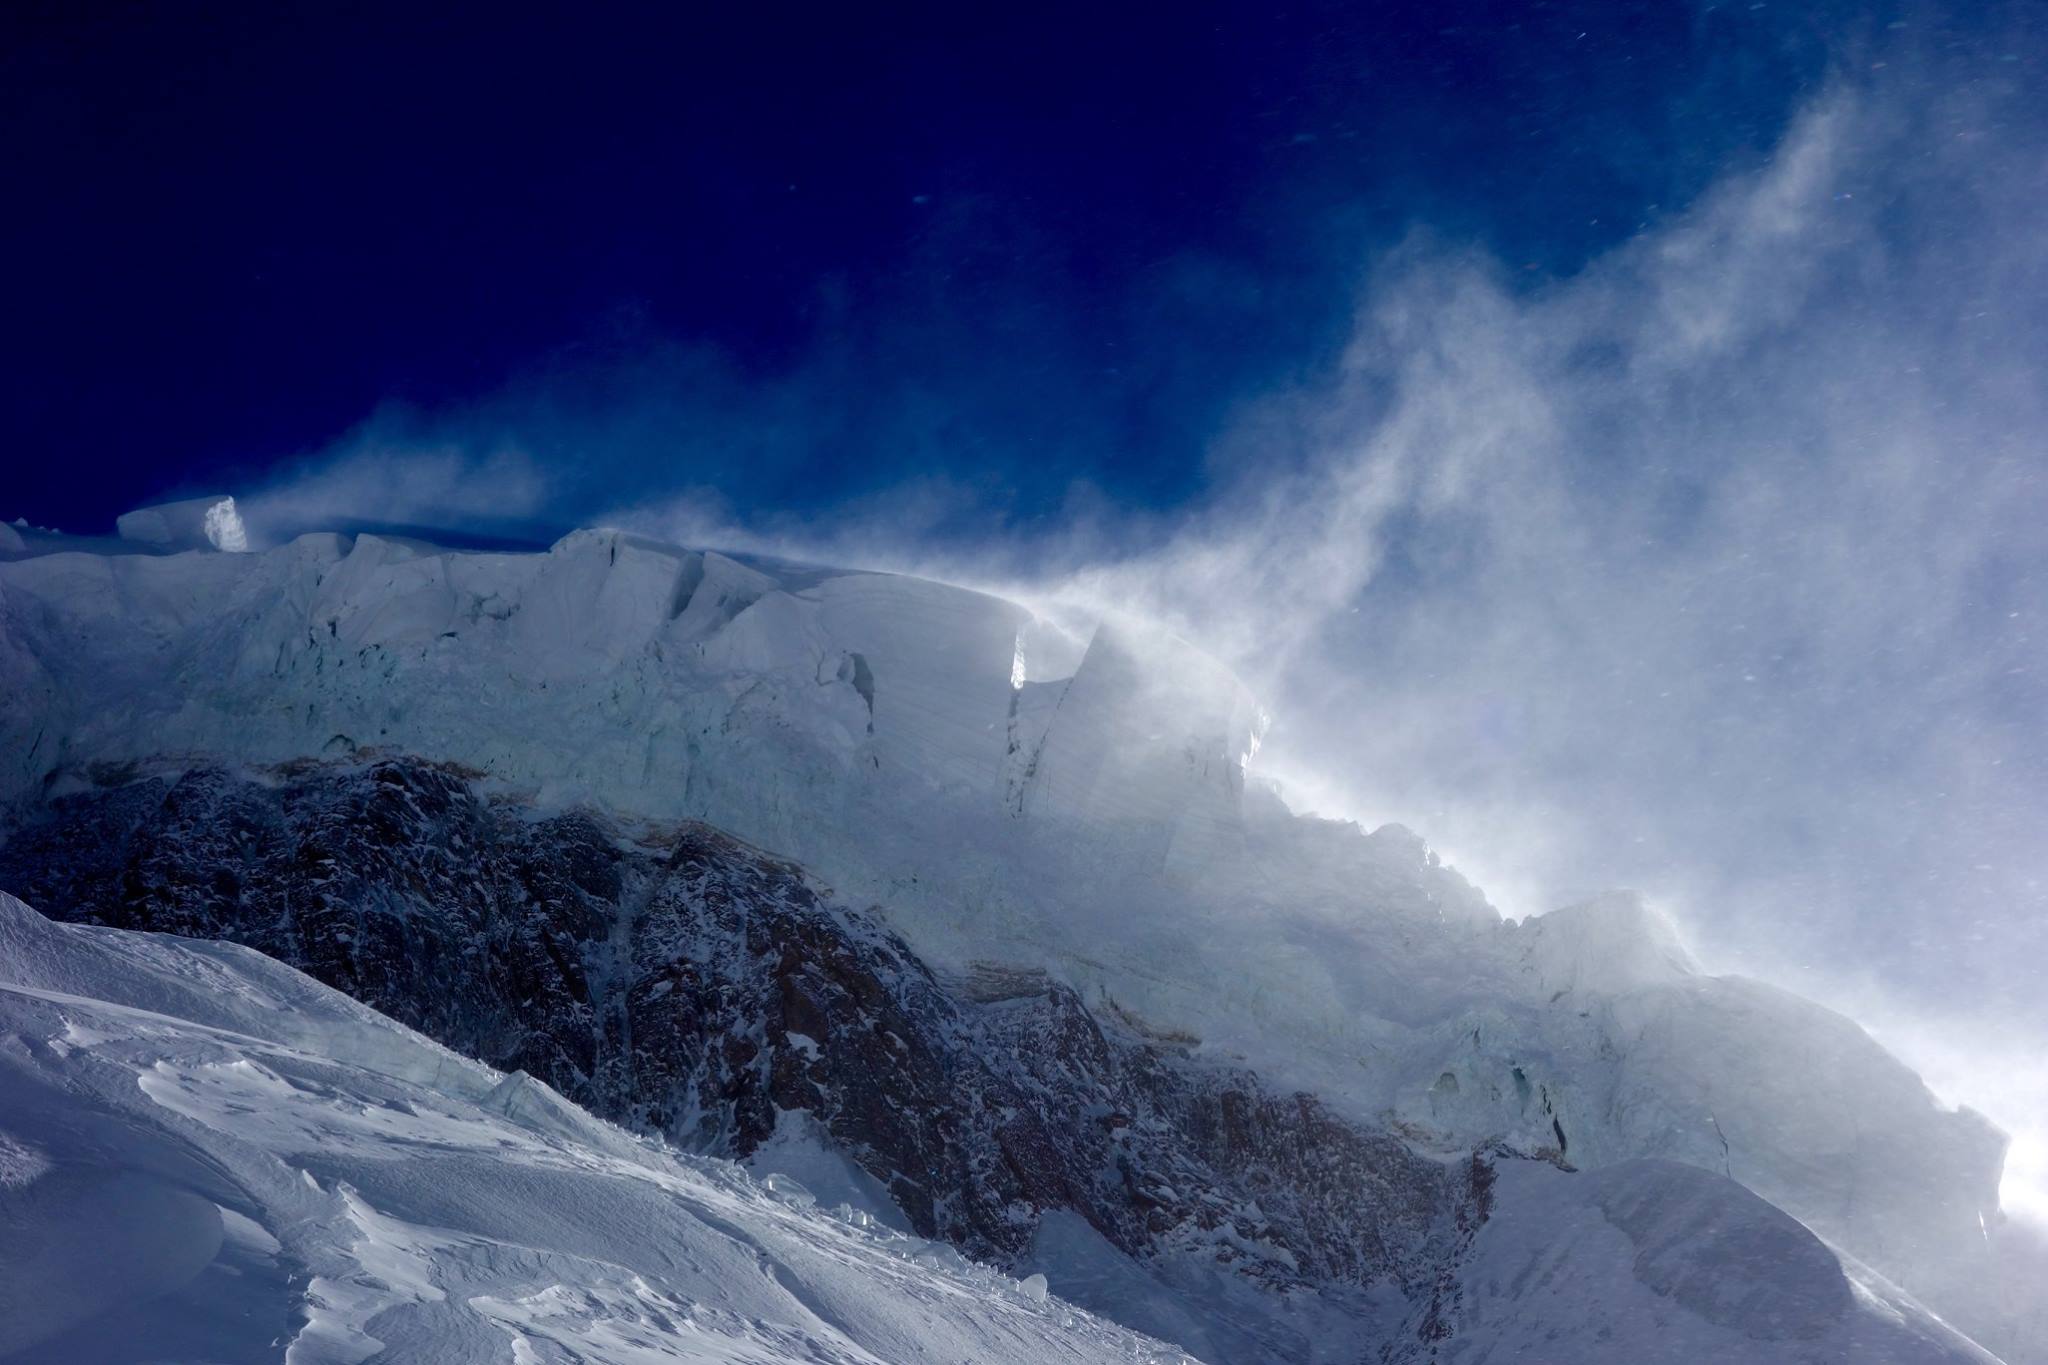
(208, 1156)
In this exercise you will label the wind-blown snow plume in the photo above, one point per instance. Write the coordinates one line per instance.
(1711, 569)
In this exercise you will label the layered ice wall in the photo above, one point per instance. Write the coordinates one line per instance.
(812, 711)
(654, 658)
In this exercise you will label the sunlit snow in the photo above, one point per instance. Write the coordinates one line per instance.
(204, 1151)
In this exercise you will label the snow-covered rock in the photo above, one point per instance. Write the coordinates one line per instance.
(682, 983)
(203, 1153)
(676, 980)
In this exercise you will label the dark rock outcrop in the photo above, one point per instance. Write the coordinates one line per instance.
(678, 980)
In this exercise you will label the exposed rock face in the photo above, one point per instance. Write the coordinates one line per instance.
(684, 982)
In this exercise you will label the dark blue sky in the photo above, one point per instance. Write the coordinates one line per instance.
(814, 250)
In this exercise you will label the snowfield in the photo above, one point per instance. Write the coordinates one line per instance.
(206, 1156)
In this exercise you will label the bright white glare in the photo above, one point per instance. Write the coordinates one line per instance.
(2024, 1191)
(224, 528)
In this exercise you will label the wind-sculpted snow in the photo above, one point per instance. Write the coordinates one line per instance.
(1002, 792)
(235, 1164)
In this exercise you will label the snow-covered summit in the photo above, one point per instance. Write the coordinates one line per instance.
(1010, 795)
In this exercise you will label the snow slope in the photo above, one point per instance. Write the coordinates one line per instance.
(1007, 794)
(1650, 1261)
(206, 1156)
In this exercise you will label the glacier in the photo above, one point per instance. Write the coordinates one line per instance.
(1013, 796)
